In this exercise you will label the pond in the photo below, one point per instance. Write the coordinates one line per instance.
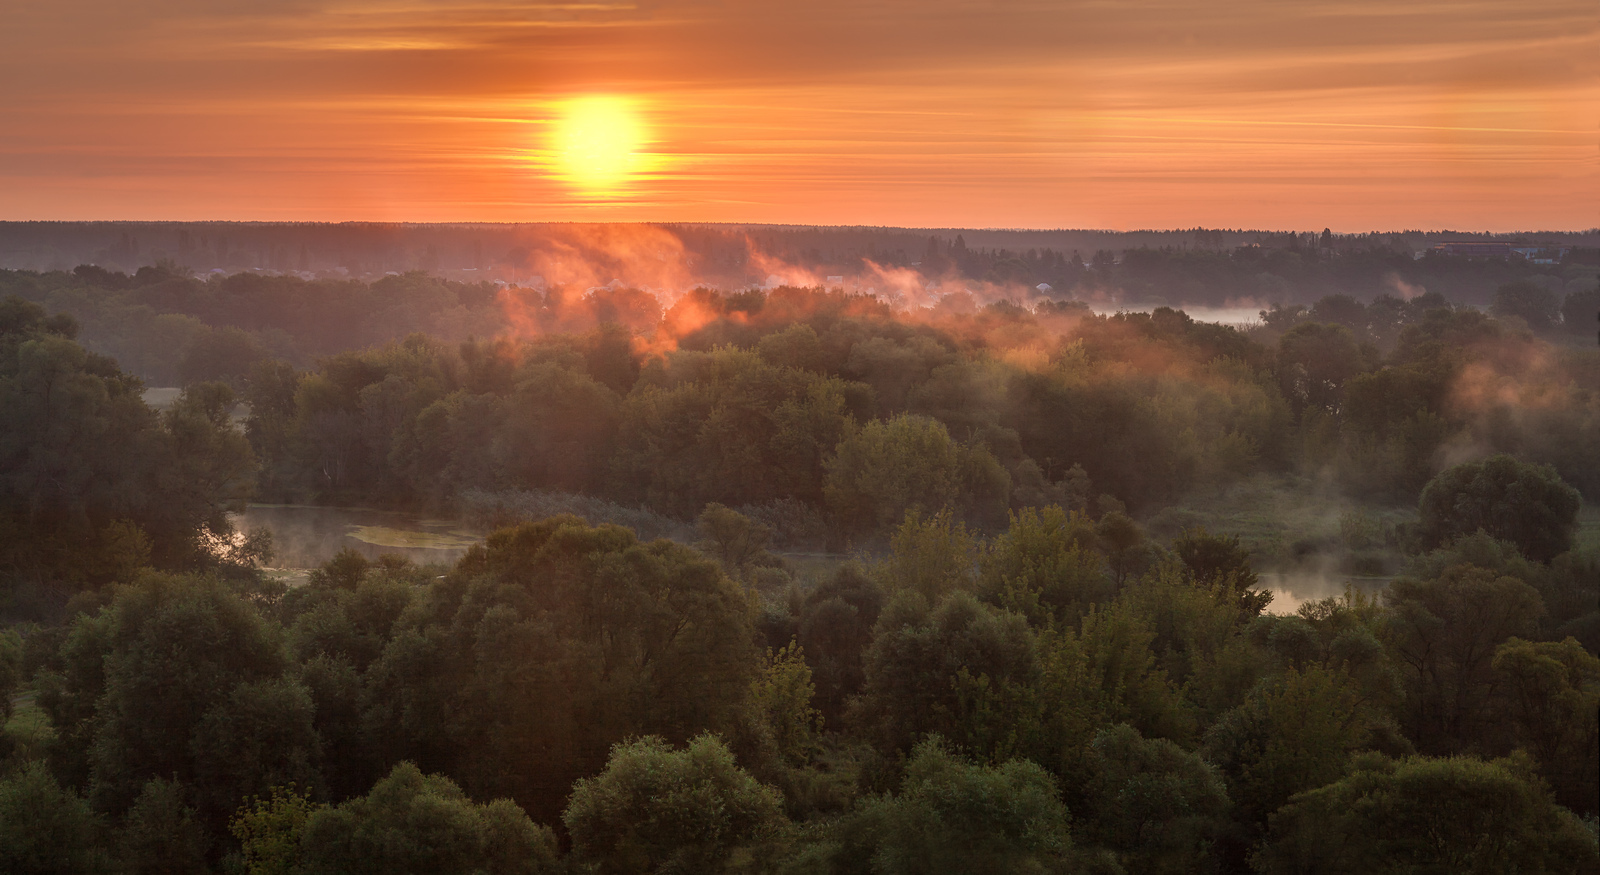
(1291, 589)
(306, 536)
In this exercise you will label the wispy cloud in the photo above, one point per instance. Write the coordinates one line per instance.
(1152, 113)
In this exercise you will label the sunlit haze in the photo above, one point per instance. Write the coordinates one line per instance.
(1354, 115)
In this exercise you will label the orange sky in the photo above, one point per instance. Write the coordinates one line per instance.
(1097, 114)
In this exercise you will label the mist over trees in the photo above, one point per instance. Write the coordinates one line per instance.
(1036, 658)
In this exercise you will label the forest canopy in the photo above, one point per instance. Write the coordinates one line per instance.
(792, 580)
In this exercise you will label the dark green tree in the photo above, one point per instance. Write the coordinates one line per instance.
(1294, 734)
(734, 539)
(1528, 301)
(835, 629)
(1315, 360)
(1214, 560)
(910, 463)
(1444, 632)
(963, 670)
(178, 678)
(549, 644)
(1157, 805)
(1552, 690)
(1514, 501)
(91, 477)
(160, 835)
(225, 355)
(45, 830)
(1580, 311)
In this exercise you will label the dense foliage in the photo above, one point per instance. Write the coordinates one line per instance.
(1027, 668)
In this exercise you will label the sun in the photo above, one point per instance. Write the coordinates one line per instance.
(597, 143)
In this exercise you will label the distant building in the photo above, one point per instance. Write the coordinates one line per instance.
(1541, 254)
(1534, 254)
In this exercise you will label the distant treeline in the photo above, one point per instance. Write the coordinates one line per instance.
(1195, 267)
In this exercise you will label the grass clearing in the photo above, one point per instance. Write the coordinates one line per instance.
(386, 536)
(1279, 519)
(29, 727)
(812, 569)
(1588, 536)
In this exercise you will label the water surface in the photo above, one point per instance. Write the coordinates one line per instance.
(1291, 589)
(306, 536)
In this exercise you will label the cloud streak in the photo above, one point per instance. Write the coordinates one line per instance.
(1085, 114)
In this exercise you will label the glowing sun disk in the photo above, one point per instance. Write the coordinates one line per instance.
(597, 141)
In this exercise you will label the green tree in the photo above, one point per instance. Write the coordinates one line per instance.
(954, 816)
(1445, 631)
(1553, 693)
(269, 393)
(161, 834)
(1315, 360)
(1292, 735)
(1514, 501)
(1528, 301)
(910, 463)
(1569, 586)
(963, 670)
(45, 830)
(226, 355)
(1219, 559)
(1159, 806)
(656, 809)
(1104, 673)
(1197, 637)
(795, 347)
(10, 673)
(1046, 567)
(552, 642)
(835, 629)
(726, 426)
(781, 699)
(1428, 815)
(178, 677)
(270, 830)
(1580, 311)
(209, 471)
(734, 539)
(1124, 543)
(87, 462)
(415, 824)
(931, 557)
(1343, 635)
(558, 432)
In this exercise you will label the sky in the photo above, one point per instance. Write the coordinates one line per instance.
(935, 113)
